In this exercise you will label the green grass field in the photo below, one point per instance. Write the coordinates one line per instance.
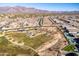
(69, 48)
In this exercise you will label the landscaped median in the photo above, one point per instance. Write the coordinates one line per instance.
(69, 48)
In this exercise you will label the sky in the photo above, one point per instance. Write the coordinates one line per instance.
(47, 6)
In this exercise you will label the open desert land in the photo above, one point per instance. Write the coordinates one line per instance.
(37, 33)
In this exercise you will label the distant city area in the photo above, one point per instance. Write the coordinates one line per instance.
(34, 32)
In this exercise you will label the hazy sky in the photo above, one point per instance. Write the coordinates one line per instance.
(47, 6)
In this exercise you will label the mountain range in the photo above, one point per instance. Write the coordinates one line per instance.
(21, 9)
